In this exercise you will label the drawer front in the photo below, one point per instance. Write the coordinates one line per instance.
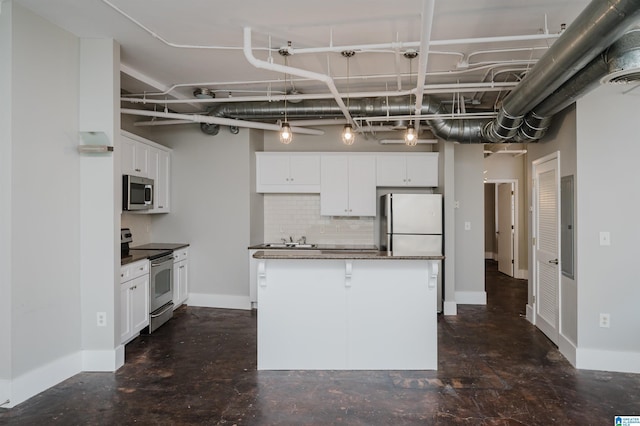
(180, 254)
(134, 270)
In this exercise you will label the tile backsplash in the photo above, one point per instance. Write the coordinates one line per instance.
(296, 215)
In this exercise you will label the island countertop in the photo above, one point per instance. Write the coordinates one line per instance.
(338, 254)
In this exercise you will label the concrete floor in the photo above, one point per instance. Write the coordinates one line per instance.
(495, 368)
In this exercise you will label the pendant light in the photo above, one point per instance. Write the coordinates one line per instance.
(285, 130)
(410, 137)
(348, 137)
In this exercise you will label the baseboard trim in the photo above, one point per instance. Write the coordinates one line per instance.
(104, 361)
(567, 348)
(522, 274)
(450, 308)
(471, 297)
(42, 378)
(223, 301)
(530, 316)
(489, 255)
(604, 360)
(5, 393)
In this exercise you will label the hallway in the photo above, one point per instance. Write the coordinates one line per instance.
(495, 368)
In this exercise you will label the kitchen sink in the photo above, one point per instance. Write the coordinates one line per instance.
(290, 245)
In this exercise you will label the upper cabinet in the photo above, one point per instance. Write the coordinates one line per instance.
(142, 157)
(287, 172)
(348, 185)
(407, 169)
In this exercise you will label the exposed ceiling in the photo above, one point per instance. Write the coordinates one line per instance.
(477, 50)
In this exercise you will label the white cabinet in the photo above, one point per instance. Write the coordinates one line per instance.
(180, 276)
(159, 171)
(134, 157)
(348, 185)
(142, 157)
(134, 299)
(401, 169)
(287, 172)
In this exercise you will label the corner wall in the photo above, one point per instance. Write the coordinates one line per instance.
(43, 183)
(608, 200)
(6, 191)
(469, 210)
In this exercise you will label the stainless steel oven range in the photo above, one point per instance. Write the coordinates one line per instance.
(160, 290)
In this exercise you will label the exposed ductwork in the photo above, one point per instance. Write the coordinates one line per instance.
(575, 64)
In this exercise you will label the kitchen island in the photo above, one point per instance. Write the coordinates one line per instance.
(338, 310)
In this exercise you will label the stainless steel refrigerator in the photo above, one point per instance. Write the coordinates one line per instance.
(411, 224)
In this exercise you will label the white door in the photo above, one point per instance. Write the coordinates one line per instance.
(505, 228)
(546, 248)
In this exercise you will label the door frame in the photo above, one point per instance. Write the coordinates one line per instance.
(532, 307)
(517, 273)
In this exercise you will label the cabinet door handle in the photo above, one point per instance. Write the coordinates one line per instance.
(137, 170)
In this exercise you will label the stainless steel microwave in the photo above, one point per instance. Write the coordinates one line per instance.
(137, 193)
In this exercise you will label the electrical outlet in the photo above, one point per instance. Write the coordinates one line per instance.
(605, 238)
(605, 320)
(467, 226)
(101, 318)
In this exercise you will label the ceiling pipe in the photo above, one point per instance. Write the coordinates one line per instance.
(423, 59)
(536, 123)
(600, 24)
(219, 121)
(248, 53)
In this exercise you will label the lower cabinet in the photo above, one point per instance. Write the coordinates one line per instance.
(134, 306)
(180, 277)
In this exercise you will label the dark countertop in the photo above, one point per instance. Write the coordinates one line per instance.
(336, 247)
(161, 246)
(135, 255)
(337, 254)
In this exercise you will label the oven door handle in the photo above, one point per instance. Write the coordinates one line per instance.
(169, 306)
(163, 262)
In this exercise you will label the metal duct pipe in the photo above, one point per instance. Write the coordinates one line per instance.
(624, 51)
(595, 29)
(465, 131)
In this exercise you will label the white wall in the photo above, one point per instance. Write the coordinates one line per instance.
(469, 244)
(45, 195)
(100, 191)
(6, 190)
(210, 209)
(608, 199)
(41, 339)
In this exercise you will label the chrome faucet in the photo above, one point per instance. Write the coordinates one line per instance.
(284, 240)
(302, 240)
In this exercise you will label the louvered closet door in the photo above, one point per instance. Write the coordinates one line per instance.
(547, 273)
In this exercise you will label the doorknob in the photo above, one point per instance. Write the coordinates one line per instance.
(554, 261)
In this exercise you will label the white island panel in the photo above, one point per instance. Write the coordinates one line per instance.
(347, 314)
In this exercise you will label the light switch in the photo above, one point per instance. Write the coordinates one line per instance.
(605, 238)
(467, 226)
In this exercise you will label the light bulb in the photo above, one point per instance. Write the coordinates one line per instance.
(410, 138)
(347, 135)
(285, 134)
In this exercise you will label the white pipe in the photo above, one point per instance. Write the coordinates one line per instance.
(425, 40)
(428, 89)
(414, 44)
(161, 122)
(217, 120)
(248, 53)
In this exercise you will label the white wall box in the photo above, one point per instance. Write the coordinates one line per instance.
(142, 157)
(348, 185)
(402, 169)
(287, 172)
(134, 299)
(180, 276)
